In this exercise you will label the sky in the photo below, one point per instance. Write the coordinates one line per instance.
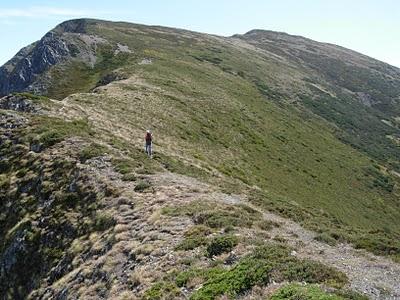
(371, 27)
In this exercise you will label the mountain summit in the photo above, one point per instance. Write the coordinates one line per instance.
(276, 163)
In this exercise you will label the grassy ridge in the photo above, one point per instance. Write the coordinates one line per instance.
(222, 111)
(207, 110)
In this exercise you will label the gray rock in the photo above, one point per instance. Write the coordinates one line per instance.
(49, 51)
(18, 103)
(22, 72)
(35, 147)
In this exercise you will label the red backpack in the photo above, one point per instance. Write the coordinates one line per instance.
(148, 137)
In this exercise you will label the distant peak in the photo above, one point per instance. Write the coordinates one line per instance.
(265, 32)
(74, 26)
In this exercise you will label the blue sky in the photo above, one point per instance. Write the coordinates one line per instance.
(370, 26)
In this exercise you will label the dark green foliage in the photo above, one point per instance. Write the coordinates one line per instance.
(142, 186)
(326, 238)
(221, 244)
(362, 126)
(269, 262)
(313, 292)
(33, 97)
(379, 180)
(49, 138)
(195, 237)
(103, 222)
(48, 131)
(161, 290)
(312, 272)
(214, 215)
(129, 177)
(90, 151)
(267, 225)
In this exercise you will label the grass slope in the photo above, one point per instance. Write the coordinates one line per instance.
(205, 101)
(222, 109)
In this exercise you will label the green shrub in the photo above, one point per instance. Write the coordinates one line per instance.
(49, 131)
(221, 244)
(32, 96)
(50, 138)
(125, 166)
(205, 274)
(312, 272)
(194, 237)
(267, 225)
(313, 292)
(266, 263)
(90, 151)
(161, 290)
(219, 217)
(103, 221)
(300, 292)
(129, 177)
(142, 186)
(326, 238)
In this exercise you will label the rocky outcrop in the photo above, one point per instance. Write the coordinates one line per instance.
(24, 72)
(29, 69)
(18, 103)
(49, 51)
(366, 99)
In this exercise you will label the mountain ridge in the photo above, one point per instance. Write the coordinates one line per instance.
(265, 153)
(78, 26)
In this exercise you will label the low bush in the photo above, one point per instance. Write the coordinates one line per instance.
(266, 263)
(90, 151)
(142, 186)
(161, 290)
(221, 244)
(267, 225)
(195, 237)
(215, 215)
(129, 177)
(313, 292)
(103, 222)
(325, 238)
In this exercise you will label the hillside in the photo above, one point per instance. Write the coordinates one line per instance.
(255, 135)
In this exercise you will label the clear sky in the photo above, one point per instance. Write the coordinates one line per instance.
(368, 26)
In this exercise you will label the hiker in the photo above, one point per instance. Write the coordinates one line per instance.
(148, 146)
